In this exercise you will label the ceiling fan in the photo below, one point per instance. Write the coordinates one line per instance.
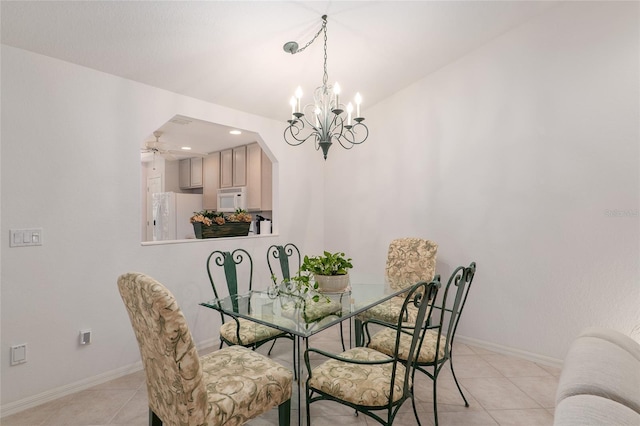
(161, 148)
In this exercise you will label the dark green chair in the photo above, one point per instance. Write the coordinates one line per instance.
(287, 256)
(234, 330)
(436, 343)
(370, 381)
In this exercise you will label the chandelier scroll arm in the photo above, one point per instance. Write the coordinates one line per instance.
(350, 135)
(293, 133)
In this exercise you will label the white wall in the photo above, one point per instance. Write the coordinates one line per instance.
(511, 157)
(71, 165)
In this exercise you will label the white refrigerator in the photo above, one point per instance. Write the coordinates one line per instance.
(171, 214)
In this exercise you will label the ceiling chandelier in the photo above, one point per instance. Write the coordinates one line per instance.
(323, 120)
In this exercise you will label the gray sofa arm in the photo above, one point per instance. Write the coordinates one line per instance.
(600, 381)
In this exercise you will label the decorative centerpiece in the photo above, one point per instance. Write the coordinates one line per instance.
(212, 224)
(303, 298)
(330, 271)
(299, 285)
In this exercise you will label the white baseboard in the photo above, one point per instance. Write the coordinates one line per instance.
(80, 385)
(505, 350)
(53, 394)
(59, 392)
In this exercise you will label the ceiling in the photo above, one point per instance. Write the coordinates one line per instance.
(202, 137)
(231, 52)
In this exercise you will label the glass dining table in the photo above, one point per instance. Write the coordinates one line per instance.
(303, 315)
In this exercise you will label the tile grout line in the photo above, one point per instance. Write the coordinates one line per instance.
(121, 408)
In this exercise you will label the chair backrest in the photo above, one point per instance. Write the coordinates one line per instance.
(229, 262)
(288, 256)
(409, 261)
(453, 304)
(175, 388)
(422, 295)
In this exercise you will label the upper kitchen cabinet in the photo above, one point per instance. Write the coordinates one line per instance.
(240, 166)
(258, 179)
(226, 168)
(190, 173)
(211, 181)
(233, 167)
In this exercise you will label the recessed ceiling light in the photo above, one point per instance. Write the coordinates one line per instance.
(186, 148)
(235, 132)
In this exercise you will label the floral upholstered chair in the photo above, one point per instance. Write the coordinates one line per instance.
(409, 260)
(437, 342)
(227, 387)
(370, 381)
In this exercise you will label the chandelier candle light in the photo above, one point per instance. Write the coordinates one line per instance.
(323, 120)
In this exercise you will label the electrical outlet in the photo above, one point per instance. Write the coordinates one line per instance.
(19, 354)
(85, 337)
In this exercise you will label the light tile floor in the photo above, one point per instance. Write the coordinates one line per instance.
(501, 390)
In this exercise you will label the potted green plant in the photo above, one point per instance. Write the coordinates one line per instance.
(330, 270)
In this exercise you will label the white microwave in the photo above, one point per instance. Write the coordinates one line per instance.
(231, 199)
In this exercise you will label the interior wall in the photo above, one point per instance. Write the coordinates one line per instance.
(71, 165)
(522, 156)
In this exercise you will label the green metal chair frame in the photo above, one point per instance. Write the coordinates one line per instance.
(449, 318)
(229, 262)
(284, 254)
(421, 295)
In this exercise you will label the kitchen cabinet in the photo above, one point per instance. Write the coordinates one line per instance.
(240, 166)
(211, 181)
(259, 190)
(233, 166)
(190, 173)
(226, 168)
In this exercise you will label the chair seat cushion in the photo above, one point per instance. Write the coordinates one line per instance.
(385, 341)
(360, 384)
(250, 332)
(389, 311)
(241, 384)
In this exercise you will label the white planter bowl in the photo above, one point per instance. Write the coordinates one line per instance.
(332, 283)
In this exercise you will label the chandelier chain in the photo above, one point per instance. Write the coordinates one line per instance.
(325, 77)
(323, 28)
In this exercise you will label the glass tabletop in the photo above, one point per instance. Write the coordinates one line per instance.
(303, 315)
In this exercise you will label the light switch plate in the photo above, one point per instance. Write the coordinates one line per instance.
(25, 237)
(19, 354)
